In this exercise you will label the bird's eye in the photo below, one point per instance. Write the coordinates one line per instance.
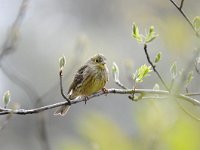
(97, 60)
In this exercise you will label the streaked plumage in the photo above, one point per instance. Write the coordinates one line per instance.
(89, 79)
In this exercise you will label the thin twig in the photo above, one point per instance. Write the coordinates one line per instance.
(120, 84)
(181, 5)
(187, 112)
(192, 94)
(61, 88)
(154, 68)
(184, 15)
(109, 91)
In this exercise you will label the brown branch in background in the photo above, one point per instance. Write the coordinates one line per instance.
(8, 47)
(10, 42)
(154, 68)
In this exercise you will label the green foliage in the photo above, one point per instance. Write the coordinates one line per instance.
(62, 62)
(6, 98)
(71, 144)
(115, 71)
(141, 73)
(196, 24)
(173, 70)
(162, 126)
(158, 57)
(151, 35)
(159, 126)
(189, 78)
(103, 134)
(136, 34)
(184, 135)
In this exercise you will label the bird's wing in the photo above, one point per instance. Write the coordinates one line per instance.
(77, 79)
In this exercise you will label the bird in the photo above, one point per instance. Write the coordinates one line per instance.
(89, 79)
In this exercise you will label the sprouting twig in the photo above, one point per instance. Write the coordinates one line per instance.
(61, 88)
(154, 68)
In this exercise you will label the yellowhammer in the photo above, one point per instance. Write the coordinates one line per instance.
(89, 79)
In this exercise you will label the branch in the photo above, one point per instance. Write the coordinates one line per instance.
(184, 15)
(154, 68)
(109, 91)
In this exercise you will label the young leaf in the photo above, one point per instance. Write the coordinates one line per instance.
(158, 57)
(142, 72)
(189, 78)
(115, 71)
(196, 23)
(151, 35)
(136, 34)
(6, 98)
(62, 62)
(173, 70)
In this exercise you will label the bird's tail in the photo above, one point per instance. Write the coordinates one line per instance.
(62, 110)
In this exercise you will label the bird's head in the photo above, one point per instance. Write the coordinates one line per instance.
(98, 60)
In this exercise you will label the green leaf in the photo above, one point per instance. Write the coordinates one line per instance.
(62, 62)
(142, 72)
(6, 98)
(173, 70)
(136, 34)
(115, 71)
(189, 78)
(196, 23)
(151, 35)
(158, 57)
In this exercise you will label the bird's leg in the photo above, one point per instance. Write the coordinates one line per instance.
(85, 99)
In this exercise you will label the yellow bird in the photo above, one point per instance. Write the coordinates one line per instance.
(89, 79)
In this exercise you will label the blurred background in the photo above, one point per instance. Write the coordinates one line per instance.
(34, 34)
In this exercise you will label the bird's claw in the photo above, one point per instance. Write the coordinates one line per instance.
(105, 90)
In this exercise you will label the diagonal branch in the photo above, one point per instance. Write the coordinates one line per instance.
(184, 15)
(154, 68)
